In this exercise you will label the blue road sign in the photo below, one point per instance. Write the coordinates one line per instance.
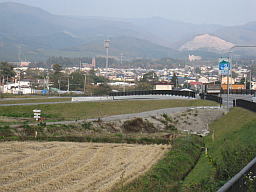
(224, 65)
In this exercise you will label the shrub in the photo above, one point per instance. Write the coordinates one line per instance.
(86, 125)
(138, 125)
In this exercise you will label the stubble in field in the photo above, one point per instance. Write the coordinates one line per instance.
(55, 166)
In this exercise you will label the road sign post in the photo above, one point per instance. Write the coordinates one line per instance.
(37, 114)
(225, 67)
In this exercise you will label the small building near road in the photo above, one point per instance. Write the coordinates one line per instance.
(233, 86)
(164, 86)
(21, 87)
(225, 80)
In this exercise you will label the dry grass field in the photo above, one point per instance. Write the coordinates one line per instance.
(55, 166)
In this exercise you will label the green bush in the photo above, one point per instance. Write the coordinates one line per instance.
(86, 125)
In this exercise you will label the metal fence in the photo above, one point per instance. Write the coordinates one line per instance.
(245, 104)
(239, 91)
(244, 181)
(211, 98)
(155, 92)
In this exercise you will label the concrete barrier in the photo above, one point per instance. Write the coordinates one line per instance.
(86, 99)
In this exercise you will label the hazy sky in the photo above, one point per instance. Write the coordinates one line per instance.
(227, 12)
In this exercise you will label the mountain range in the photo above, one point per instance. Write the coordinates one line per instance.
(32, 33)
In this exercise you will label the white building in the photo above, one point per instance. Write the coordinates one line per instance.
(203, 80)
(253, 85)
(225, 80)
(21, 87)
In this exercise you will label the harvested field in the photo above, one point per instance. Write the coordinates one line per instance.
(56, 166)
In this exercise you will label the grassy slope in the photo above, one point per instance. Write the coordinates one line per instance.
(228, 151)
(97, 109)
(169, 171)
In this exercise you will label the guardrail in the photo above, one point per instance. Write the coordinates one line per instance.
(211, 98)
(155, 92)
(239, 91)
(245, 104)
(244, 181)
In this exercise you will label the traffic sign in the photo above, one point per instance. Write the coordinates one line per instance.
(224, 64)
(37, 111)
(37, 114)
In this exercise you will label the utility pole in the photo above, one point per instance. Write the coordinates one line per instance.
(80, 64)
(59, 86)
(250, 80)
(228, 90)
(68, 84)
(59, 83)
(84, 82)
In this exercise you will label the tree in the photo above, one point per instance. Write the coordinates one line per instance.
(144, 86)
(175, 80)
(93, 78)
(6, 71)
(57, 75)
(102, 89)
(150, 77)
(198, 70)
(56, 68)
(76, 81)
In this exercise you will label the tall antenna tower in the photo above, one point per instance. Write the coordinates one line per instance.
(106, 45)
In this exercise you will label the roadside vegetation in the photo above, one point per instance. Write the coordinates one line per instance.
(231, 146)
(168, 173)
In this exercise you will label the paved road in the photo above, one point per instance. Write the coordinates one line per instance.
(129, 116)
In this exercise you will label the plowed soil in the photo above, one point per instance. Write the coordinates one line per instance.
(55, 166)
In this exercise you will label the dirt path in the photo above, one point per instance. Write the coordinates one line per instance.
(32, 166)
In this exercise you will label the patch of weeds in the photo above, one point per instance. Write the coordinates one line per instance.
(5, 131)
(138, 125)
(87, 125)
(42, 124)
(120, 135)
(28, 130)
(167, 118)
(171, 127)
